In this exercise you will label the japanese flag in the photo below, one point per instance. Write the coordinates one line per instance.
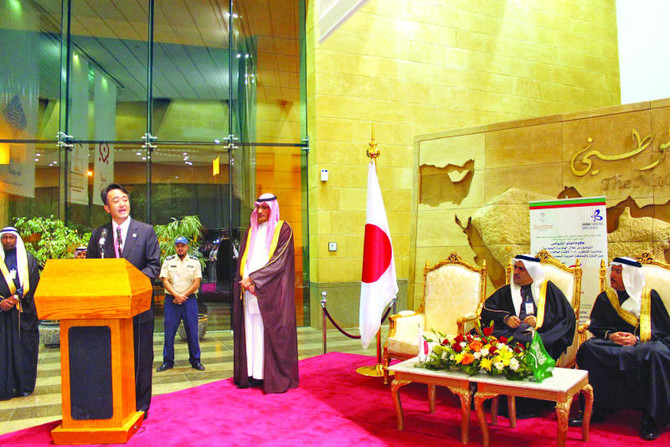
(379, 285)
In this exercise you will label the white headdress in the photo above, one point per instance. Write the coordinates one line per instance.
(633, 280)
(21, 259)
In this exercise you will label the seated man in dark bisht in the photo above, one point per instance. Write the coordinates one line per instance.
(629, 359)
(530, 304)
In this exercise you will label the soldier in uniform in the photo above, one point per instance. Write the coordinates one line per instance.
(181, 275)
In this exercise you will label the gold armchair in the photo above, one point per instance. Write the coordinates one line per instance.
(453, 296)
(569, 281)
(656, 276)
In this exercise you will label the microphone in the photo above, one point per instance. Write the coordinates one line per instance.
(101, 242)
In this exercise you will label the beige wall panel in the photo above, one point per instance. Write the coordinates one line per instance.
(634, 249)
(353, 199)
(544, 179)
(523, 146)
(616, 181)
(447, 188)
(351, 222)
(612, 135)
(340, 270)
(441, 65)
(660, 128)
(438, 227)
(456, 151)
(398, 200)
(639, 201)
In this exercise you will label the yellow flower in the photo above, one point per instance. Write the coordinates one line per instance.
(486, 364)
(459, 357)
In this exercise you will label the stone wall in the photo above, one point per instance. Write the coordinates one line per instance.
(412, 67)
(475, 183)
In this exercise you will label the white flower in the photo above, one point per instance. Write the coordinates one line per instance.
(514, 364)
(444, 354)
(464, 344)
(477, 355)
(484, 352)
(499, 366)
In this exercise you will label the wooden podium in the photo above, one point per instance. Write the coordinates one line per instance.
(95, 301)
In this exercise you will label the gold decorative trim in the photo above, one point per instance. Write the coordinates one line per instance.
(625, 316)
(542, 299)
(645, 315)
(648, 258)
(602, 275)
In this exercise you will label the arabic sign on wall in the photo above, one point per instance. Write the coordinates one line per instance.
(586, 157)
(479, 182)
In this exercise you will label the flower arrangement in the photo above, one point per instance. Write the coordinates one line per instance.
(479, 353)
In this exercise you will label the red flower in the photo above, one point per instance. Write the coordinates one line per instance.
(492, 350)
(457, 347)
(445, 342)
(488, 330)
(502, 339)
(469, 338)
(518, 349)
(459, 338)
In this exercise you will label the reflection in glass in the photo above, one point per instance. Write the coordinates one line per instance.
(213, 77)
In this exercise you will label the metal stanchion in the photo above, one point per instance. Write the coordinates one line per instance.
(323, 319)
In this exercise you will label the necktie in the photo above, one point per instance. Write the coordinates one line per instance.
(527, 299)
(119, 243)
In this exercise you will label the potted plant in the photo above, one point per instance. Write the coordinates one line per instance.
(188, 226)
(49, 238)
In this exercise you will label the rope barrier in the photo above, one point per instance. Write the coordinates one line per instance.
(339, 328)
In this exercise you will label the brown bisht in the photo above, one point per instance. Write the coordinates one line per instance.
(275, 289)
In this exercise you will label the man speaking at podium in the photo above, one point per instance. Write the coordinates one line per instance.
(135, 241)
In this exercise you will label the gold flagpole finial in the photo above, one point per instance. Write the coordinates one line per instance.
(373, 151)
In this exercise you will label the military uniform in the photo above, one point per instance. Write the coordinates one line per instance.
(181, 275)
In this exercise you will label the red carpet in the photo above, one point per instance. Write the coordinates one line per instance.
(334, 406)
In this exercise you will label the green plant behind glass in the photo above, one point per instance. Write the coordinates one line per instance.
(189, 227)
(49, 238)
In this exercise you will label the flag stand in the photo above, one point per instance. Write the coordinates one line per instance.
(374, 370)
(377, 245)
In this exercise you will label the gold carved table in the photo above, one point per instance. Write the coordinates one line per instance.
(561, 388)
(457, 382)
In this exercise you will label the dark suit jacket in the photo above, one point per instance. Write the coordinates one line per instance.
(140, 249)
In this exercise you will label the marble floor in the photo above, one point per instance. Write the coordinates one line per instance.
(44, 405)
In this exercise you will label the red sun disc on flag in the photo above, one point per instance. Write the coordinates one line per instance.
(377, 253)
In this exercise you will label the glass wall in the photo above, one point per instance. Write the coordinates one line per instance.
(194, 105)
